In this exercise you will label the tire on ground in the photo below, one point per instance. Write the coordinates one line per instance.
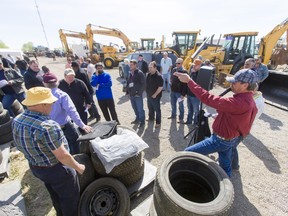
(109, 63)
(4, 117)
(6, 127)
(5, 138)
(104, 196)
(84, 147)
(9, 209)
(16, 105)
(21, 110)
(192, 184)
(89, 174)
(122, 169)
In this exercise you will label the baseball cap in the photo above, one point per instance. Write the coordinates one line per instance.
(38, 95)
(99, 64)
(245, 76)
(69, 71)
(49, 78)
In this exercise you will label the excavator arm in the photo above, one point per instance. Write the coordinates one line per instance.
(130, 45)
(270, 40)
(63, 37)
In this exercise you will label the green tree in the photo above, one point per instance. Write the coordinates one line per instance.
(3, 45)
(28, 47)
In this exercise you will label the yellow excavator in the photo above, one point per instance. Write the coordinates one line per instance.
(147, 44)
(240, 46)
(63, 34)
(111, 56)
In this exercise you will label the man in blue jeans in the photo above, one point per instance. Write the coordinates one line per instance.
(135, 89)
(234, 120)
(178, 92)
(11, 86)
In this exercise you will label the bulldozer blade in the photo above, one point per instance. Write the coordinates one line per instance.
(275, 89)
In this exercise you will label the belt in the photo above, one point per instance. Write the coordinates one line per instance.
(223, 138)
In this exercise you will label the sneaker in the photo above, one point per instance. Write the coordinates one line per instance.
(187, 122)
(181, 121)
(171, 117)
(135, 121)
(149, 119)
(141, 124)
(157, 125)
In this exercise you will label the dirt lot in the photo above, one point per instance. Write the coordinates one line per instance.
(260, 186)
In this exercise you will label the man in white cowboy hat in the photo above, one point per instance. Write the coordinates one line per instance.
(44, 145)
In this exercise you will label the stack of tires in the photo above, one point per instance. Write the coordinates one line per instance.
(190, 184)
(102, 193)
(17, 108)
(5, 126)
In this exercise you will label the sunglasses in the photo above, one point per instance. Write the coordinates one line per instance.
(178, 63)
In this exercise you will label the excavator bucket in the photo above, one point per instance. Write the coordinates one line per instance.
(275, 89)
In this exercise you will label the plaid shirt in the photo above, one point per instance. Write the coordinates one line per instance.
(36, 136)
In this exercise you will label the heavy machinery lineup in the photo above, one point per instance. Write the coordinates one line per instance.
(227, 58)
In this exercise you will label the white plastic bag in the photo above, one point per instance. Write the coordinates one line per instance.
(117, 148)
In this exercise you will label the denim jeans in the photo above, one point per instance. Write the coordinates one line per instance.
(8, 100)
(174, 96)
(63, 187)
(71, 135)
(193, 104)
(137, 105)
(166, 78)
(227, 151)
(154, 107)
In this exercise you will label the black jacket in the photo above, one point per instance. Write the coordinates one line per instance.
(17, 80)
(77, 91)
(82, 75)
(153, 82)
(33, 79)
(138, 86)
(144, 67)
(193, 76)
(176, 85)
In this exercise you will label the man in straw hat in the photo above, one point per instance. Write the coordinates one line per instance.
(44, 145)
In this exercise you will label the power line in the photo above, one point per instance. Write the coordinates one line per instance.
(41, 23)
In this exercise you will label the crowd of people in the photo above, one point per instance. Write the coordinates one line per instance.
(46, 132)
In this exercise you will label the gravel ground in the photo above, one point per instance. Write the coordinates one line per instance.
(260, 186)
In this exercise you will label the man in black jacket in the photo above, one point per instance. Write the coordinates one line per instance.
(142, 64)
(78, 93)
(82, 75)
(21, 65)
(135, 89)
(178, 91)
(33, 76)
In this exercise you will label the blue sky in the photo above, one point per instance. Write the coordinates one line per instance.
(148, 18)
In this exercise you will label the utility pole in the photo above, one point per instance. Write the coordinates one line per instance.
(42, 24)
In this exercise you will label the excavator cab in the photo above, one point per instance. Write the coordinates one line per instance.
(147, 43)
(238, 47)
(184, 41)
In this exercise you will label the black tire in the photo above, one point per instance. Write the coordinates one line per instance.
(4, 117)
(1, 107)
(16, 105)
(109, 63)
(84, 147)
(105, 196)
(21, 110)
(134, 176)
(122, 169)
(9, 209)
(89, 174)
(121, 73)
(1, 156)
(5, 138)
(6, 127)
(192, 184)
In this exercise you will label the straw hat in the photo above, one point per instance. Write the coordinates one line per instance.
(38, 95)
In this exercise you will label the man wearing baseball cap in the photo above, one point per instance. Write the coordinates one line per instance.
(63, 111)
(44, 145)
(234, 120)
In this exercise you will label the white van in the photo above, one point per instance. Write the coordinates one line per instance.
(12, 52)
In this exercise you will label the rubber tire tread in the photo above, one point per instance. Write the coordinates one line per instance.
(4, 117)
(10, 209)
(21, 110)
(89, 174)
(16, 105)
(84, 147)
(134, 176)
(165, 206)
(6, 138)
(122, 169)
(105, 182)
(6, 127)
